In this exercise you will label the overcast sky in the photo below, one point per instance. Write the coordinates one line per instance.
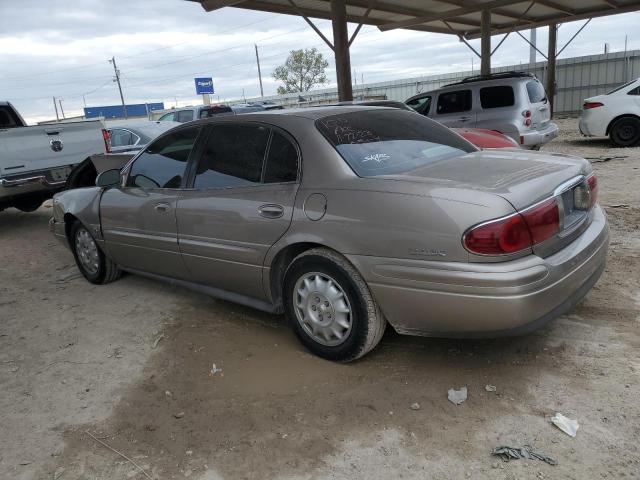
(61, 48)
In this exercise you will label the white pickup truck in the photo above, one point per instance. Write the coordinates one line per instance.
(35, 160)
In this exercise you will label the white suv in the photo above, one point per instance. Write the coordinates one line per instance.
(616, 114)
(512, 103)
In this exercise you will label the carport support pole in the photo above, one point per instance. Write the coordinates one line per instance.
(485, 43)
(551, 66)
(341, 49)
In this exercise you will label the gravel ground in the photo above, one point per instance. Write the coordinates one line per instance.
(130, 364)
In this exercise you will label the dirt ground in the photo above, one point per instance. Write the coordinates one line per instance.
(130, 363)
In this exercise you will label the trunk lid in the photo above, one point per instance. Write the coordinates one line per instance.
(522, 178)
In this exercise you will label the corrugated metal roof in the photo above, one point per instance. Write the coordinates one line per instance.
(458, 17)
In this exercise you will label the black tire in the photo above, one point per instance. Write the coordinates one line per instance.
(625, 132)
(366, 320)
(106, 271)
(28, 205)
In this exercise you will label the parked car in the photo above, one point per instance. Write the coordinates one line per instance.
(480, 137)
(512, 103)
(35, 160)
(188, 114)
(615, 114)
(346, 218)
(133, 136)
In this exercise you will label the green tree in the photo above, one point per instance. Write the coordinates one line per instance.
(302, 71)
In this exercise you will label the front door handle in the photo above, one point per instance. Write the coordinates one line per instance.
(465, 119)
(271, 211)
(162, 207)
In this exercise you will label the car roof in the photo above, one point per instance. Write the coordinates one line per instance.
(311, 113)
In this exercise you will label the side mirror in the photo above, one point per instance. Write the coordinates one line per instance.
(108, 178)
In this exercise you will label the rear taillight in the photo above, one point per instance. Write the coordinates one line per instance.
(592, 180)
(543, 220)
(507, 235)
(527, 118)
(588, 105)
(516, 232)
(107, 140)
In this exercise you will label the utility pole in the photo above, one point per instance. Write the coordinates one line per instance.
(551, 66)
(55, 105)
(532, 47)
(61, 109)
(259, 72)
(117, 79)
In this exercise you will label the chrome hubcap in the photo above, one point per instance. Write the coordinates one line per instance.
(87, 251)
(322, 308)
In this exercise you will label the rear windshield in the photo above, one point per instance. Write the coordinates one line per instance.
(390, 142)
(536, 92)
(213, 111)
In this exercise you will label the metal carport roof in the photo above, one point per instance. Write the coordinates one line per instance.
(468, 19)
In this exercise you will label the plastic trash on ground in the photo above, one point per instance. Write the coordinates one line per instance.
(568, 426)
(457, 396)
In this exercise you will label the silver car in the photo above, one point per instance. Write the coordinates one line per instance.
(346, 219)
(512, 103)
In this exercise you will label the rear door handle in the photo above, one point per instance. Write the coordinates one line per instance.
(162, 207)
(271, 211)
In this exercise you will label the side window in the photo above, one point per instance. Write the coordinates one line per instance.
(184, 116)
(163, 162)
(536, 92)
(282, 160)
(167, 117)
(452, 102)
(421, 105)
(232, 157)
(496, 97)
(120, 137)
(635, 91)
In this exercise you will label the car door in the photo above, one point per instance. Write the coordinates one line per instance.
(454, 108)
(139, 217)
(241, 202)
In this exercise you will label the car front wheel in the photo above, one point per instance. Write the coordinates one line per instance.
(90, 260)
(330, 306)
(625, 132)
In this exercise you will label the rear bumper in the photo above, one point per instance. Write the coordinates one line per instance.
(33, 184)
(593, 123)
(532, 138)
(452, 299)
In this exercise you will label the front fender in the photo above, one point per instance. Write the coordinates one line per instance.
(82, 204)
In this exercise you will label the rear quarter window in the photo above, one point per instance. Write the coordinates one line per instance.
(497, 97)
(453, 102)
(535, 91)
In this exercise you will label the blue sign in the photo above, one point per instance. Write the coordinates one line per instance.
(204, 85)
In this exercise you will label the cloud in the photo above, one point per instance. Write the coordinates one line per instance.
(61, 48)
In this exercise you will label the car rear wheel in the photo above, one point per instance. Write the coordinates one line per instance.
(330, 306)
(90, 260)
(625, 132)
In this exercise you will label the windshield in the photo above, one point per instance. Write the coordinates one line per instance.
(390, 142)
